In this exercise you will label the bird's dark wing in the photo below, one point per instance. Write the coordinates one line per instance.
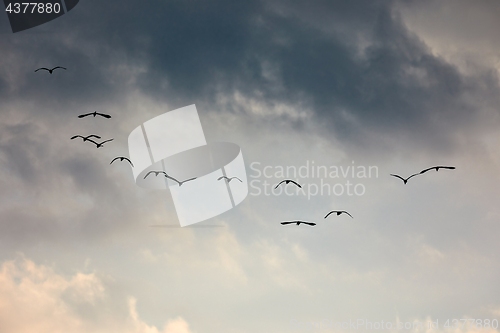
(93, 136)
(447, 167)
(93, 142)
(312, 224)
(106, 141)
(415, 174)
(281, 182)
(347, 213)
(333, 211)
(428, 169)
(114, 159)
(48, 70)
(175, 180)
(238, 179)
(296, 183)
(76, 136)
(104, 115)
(58, 67)
(398, 177)
(125, 158)
(85, 115)
(189, 179)
(221, 177)
(287, 222)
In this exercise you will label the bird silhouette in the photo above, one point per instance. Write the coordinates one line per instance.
(437, 168)
(50, 70)
(99, 145)
(405, 180)
(156, 173)
(180, 182)
(338, 213)
(287, 181)
(312, 224)
(229, 179)
(121, 158)
(85, 138)
(95, 113)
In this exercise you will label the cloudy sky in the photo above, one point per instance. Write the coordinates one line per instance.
(396, 85)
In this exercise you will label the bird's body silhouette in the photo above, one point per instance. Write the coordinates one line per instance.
(86, 138)
(121, 158)
(437, 168)
(229, 179)
(101, 144)
(95, 113)
(180, 182)
(50, 70)
(338, 213)
(287, 181)
(156, 173)
(312, 224)
(405, 180)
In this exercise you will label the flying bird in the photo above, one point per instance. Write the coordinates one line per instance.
(99, 145)
(287, 181)
(229, 179)
(437, 168)
(338, 213)
(405, 180)
(180, 182)
(85, 138)
(121, 158)
(95, 113)
(312, 224)
(156, 173)
(50, 70)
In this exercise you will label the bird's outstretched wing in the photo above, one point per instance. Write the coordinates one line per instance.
(222, 178)
(92, 136)
(48, 70)
(58, 67)
(285, 223)
(85, 115)
(187, 180)
(97, 144)
(77, 136)
(281, 182)
(291, 181)
(437, 167)
(104, 115)
(106, 141)
(347, 213)
(238, 179)
(428, 169)
(333, 211)
(312, 224)
(397, 176)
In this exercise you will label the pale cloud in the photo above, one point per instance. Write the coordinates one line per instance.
(35, 298)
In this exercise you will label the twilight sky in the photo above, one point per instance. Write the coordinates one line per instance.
(395, 85)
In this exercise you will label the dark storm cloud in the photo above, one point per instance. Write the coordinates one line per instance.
(188, 51)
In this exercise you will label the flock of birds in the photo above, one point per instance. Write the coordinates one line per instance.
(89, 138)
(339, 212)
